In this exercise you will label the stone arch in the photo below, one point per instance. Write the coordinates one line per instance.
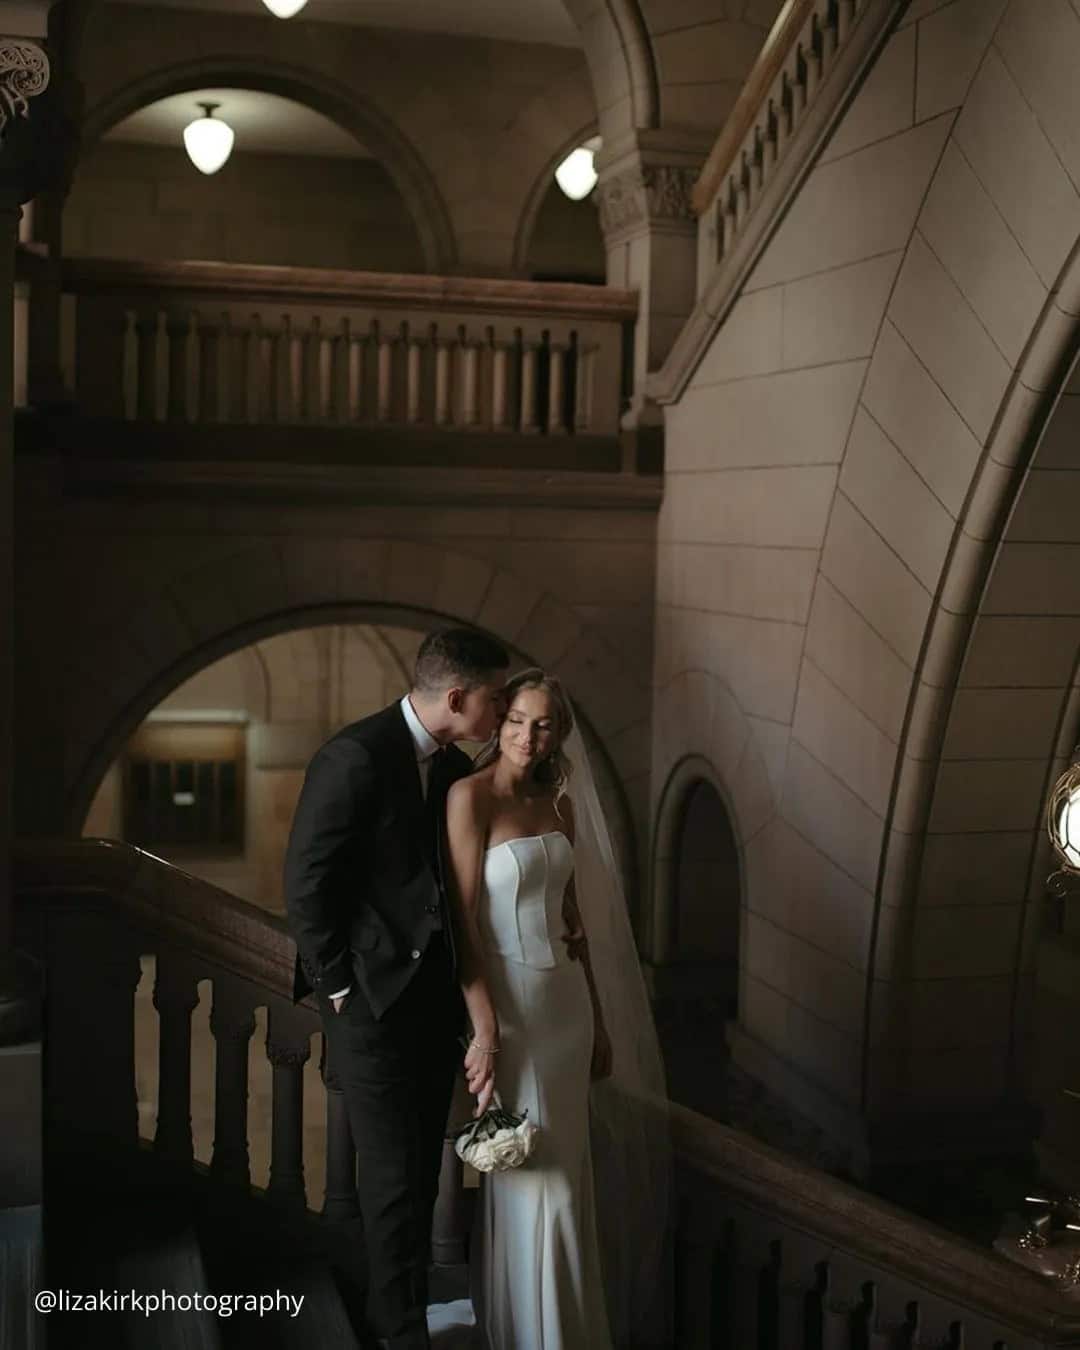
(272, 587)
(341, 104)
(948, 784)
(700, 728)
(620, 57)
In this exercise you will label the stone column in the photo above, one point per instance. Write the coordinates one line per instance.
(24, 76)
(650, 232)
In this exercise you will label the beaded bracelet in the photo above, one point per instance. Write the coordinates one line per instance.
(484, 1049)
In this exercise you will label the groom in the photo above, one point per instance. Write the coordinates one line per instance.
(365, 892)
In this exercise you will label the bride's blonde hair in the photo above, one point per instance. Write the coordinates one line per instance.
(556, 769)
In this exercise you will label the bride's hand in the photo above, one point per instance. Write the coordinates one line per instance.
(480, 1075)
(601, 1053)
(576, 942)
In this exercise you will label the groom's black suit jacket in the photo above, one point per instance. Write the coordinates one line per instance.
(365, 867)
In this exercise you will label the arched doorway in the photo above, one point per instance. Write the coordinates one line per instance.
(697, 933)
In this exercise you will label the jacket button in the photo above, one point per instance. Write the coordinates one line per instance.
(415, 954)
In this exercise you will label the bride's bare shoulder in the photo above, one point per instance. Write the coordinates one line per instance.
(472, 792)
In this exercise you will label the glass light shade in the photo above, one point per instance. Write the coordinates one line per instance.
(284, 9)
(576, 174)
(209, 143)
(1063, 818)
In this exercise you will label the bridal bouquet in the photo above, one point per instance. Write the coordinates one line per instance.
(496, 1141)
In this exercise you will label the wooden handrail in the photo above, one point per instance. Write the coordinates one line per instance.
(777, 48)
(871, 1229)
(397, 290)
(208, 922)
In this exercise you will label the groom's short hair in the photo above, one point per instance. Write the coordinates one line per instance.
(457, 657)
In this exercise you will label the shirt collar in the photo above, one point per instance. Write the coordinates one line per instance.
(423, 741)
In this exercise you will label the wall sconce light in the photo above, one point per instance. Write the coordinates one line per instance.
(576, 175)
(1063, 826)
(208, 140)
(284, 9)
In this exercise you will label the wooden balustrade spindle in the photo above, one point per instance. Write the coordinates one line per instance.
(829, 34)
(414, 351)
(146, 364)
(769, 147)
(584, 410)
(470, 384)
(500, 387)
(288, 1050)
(812, 55)
(176, 996)
(742, 193)
(443, 402)
(556, 418)
(208, 338)
(354, 363)
(384, 377)
(100, 332)
(309, 403)
(797, 80)
(530, 354)
(694, 1311)
(232, 1025)
(177, 331)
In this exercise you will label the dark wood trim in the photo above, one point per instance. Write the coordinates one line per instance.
(387, 290)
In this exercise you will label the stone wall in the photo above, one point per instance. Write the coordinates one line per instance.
(838, 475)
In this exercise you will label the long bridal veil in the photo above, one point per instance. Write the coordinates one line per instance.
(631, 1145)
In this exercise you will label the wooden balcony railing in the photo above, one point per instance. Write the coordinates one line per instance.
(211, 343)
(770, 1254)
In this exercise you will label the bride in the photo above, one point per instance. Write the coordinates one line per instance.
(548, 966)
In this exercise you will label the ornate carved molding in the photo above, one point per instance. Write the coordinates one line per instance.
(24, 73)
(650, 194)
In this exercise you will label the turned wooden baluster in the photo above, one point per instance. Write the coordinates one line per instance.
(556, 419)
(443, 404)
(500, 387)
(146, 358)
(384, 374)
(288, 1049)
(414, 352)
(585, 392)
(339, 1200)
(354, 373)
(232, 1025)
(470, 383)
(207, 336)
(530, 356)
(310, 403)
(177, 332)
(176, 996)
(239, 345)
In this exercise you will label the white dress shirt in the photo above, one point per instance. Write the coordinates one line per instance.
(425, 745)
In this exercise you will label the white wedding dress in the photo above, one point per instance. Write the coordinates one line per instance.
(535, 1270)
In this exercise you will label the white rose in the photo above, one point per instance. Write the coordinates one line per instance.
(506, 1150)
(479, 1155)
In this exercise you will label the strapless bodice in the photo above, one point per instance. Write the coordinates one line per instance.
(521, 903)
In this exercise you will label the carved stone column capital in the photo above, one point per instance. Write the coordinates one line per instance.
(24, 74)
(645, 196)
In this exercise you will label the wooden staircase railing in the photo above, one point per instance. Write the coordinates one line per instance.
(770, 1253)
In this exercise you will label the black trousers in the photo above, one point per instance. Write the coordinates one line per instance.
(397, 1075)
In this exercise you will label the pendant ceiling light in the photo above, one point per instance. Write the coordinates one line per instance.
(208, 140)
(576, 174)
(284, 9)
